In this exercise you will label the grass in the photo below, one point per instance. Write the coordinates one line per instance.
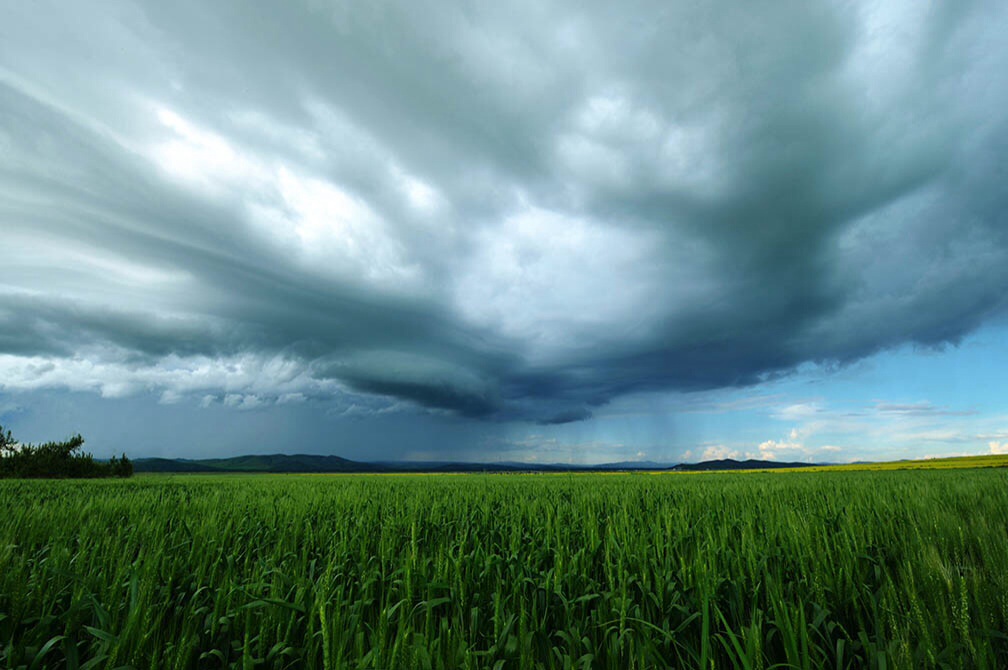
(949, 463)
(955, 462)
(878, 569)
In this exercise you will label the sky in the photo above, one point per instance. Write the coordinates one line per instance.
(546, 231)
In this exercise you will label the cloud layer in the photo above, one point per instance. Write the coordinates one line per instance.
(516, 214)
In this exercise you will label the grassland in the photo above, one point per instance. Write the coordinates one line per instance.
(950, 463)
(902, 569)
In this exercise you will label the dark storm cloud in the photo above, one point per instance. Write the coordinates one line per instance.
(504, 215)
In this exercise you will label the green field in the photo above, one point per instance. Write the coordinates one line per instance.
(903, 569)
(951, 463)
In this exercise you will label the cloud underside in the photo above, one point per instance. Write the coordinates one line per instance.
(499, 218)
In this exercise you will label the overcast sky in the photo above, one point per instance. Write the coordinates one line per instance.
(555, 230)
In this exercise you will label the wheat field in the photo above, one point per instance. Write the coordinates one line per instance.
(902, 569)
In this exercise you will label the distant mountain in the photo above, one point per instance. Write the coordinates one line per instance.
(304, 463)
(732, 464)
(633, 465)
(256, 463)
(169, 465)
(287, 463)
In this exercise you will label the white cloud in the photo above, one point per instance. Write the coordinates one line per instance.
(716, 452)
(615, 142)
(799, 411)
(244, 379)
(332, 231)
(243, 401)
(772, 450)
(787, 450)
(203, 158)
(562, 284)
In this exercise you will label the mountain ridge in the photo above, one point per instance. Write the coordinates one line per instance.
(317, 463)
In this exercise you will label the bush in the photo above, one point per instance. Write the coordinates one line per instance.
(56, 459)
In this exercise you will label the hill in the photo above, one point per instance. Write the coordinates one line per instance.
(294, 463)
(306, 463)
(732, 464)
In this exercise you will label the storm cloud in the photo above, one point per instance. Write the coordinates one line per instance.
(515, 213)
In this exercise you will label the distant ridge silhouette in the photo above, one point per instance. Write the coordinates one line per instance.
(305, 463)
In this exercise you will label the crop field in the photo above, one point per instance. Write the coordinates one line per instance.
(900, 569)
(952, 463)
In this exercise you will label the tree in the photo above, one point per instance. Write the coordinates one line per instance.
(55, 459)
(121, 467)
(6, 442)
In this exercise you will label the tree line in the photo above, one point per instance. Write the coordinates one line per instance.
(56, 459)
